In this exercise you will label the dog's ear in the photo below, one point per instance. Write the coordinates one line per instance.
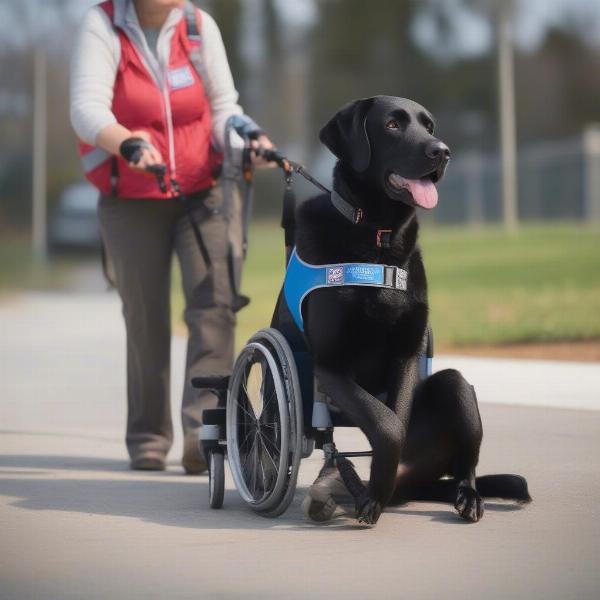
(345, 134)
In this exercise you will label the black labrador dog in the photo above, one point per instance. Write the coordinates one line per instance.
(366, 341)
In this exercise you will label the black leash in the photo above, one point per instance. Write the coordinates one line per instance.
(131, 150)
(188, 211)
(159, 172)
(239, 300)
(353, 214)
(289, 168)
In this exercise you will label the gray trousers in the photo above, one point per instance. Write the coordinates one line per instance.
(140, 238)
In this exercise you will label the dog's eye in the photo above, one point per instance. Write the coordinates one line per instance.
(392, 124)
(430, 127)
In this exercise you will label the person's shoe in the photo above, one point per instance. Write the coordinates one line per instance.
(148, 461)
(193, 460)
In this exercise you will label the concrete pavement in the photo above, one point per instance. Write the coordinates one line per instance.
(75, 523)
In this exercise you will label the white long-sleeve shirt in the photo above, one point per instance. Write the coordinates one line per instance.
(96, 58)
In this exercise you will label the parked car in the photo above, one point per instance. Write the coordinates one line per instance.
(73, 224)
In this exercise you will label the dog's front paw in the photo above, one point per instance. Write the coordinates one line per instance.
(469, 504)
(368, 510)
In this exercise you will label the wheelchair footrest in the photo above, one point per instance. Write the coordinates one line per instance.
(211, 382)
(355, 454)
(214, 416)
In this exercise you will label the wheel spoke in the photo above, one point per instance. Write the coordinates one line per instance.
(274, 446)
(264, 477)
(270, 468)
(252, 415)
(249, 414)
(266, 403)
(253, 467)
(248, 456)
(261, 439)
(250, 432)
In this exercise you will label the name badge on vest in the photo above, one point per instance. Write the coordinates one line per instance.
(180, 78)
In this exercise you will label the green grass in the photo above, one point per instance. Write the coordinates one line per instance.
(485, 287)
(15, 261)
(541, 284)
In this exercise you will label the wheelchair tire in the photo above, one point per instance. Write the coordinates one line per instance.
(216, 478)
(264, 423)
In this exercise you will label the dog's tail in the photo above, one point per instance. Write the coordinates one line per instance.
(506, 487)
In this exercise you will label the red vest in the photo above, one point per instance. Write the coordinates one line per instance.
(177, 118)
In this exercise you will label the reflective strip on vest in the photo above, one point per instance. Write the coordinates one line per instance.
(92, 160)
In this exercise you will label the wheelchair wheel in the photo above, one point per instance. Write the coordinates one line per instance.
(264, 423)
(216, 478)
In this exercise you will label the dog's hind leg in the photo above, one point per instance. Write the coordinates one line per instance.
(383, 429)
(444, 438)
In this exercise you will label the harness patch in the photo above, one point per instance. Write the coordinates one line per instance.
(335, 275)
(368, 274)
(180, 78)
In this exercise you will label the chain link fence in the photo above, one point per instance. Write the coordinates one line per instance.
(557, 181)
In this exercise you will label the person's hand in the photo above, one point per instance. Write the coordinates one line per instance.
(149, 156)
(258, 161)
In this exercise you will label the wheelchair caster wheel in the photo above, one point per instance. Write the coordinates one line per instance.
(216, 478)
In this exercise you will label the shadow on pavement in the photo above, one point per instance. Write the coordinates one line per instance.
(75, 463)
(165, 498)
(450, 516)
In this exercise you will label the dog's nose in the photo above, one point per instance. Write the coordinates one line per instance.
(437, 150)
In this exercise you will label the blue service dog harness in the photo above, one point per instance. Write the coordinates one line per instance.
(302, 278)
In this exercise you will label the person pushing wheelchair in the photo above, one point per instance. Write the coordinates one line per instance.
(150, 86)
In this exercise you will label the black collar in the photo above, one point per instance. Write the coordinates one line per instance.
(356, 216)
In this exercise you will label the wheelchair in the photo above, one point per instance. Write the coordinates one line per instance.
(270, 412)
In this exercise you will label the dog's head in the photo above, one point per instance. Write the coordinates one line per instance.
(390, 143)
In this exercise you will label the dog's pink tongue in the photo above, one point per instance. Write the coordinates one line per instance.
(423, 191)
